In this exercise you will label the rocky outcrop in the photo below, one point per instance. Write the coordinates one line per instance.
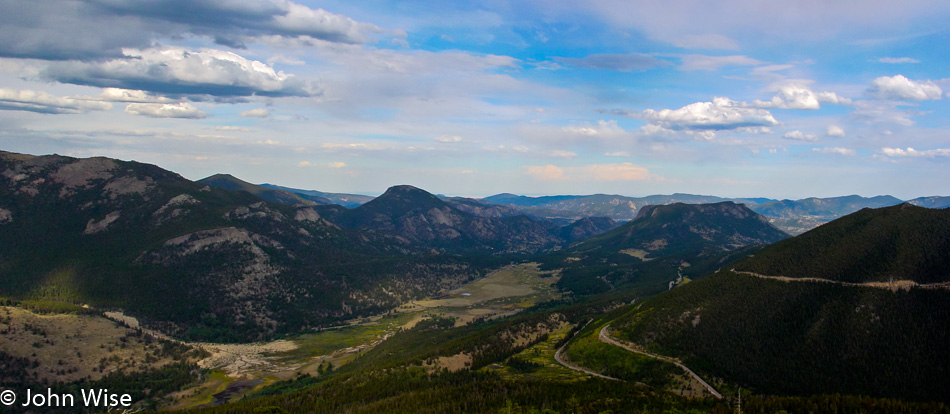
(94, 226)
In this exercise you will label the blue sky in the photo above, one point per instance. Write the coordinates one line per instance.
(732, 98)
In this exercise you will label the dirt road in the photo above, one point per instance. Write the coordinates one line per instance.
(607, 339)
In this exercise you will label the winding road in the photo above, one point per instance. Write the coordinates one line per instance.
(557, 356)
(893, 285)
(607, 339)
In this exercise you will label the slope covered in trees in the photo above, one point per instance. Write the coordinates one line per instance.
(903, 242)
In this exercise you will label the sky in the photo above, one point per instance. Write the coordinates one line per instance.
(735, 98)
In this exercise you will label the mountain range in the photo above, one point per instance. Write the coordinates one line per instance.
(132, 236)
(855, 306)
(792, 216)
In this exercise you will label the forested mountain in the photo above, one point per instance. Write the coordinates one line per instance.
(788, 336)
(660, 244)
(597, 205)
(230, 182)
(197, 261)
(343, 199)
(902, 242)
(587, 227)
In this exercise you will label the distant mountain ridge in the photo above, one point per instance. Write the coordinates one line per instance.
(230, 182)
(343, 199)
(661, 244)
(791, 216)
(409, 216)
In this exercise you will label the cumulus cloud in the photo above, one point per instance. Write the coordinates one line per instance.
(710, 63)
(910, 152)
(720, 114)
(231, 128)
(796, 95)
(800, 136)
(336, 164)
(623, 62)
(179, 110)
(898, 60)
(594, 172)
(44, 103)
(256, 113)
(448, 139)
(899, 87)
(177, 71)
(834, 131)
(617, 154)
(127, 95)
(56, 30)
(835, 150)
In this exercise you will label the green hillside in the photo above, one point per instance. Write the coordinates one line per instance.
(902, 242)
(803, 337)
(663, 243)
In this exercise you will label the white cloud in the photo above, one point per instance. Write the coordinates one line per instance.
(835, 150)
(177, 71)
(834, 131)
(179, 110)
(616, 172)
(800, 136)
(594, 172)
(285, 60)
(601, 129)
(546, 172)
(231, 128)
(706, 41)
(335, 164)
(617, 154)
(95, 29)
(256, 113)
(710, 63)
(898, 60)
(873, 111)
(720, 114)
(44, 103)
(301, 20)
(899, 87)
(130, 95)
(910, 152)
(797, 95)
(448, 139)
